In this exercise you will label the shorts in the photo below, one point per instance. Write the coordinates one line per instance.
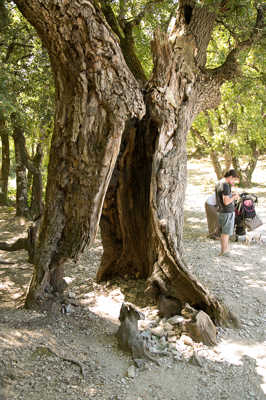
(227, 223)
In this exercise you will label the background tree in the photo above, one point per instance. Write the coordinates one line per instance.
(5, 167)
(26, 92)
(97, 100)
(233, 134)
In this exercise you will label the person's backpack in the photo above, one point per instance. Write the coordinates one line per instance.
(248, 208)
(247, 205)
(246, 213)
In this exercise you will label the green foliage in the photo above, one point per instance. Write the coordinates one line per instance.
(26, 83)
(242, 103)
(153, 15)
(4, 18)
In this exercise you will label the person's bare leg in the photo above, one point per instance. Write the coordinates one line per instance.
(224, 243)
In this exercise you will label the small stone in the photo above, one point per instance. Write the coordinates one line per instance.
(145, 324)
(131, 372)
(168, 327)
(195, 360)
(187, 340)
(177, 355)
(249, 323)
(158, 331)
(171, 333)
(172, 346)
(176, 320)
(172, 339)
(71, 295)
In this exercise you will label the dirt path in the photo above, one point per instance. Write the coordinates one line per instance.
(235, 369)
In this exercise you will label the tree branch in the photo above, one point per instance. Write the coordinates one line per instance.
(122, 10)
(111, 18)
(201, 138)
(209, 123)
(230, 68)
(124, 30)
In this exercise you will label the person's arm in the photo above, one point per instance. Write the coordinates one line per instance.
(228, 200)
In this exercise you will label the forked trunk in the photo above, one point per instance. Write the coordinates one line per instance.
(142, 219)
(5, 164)
(97, 100)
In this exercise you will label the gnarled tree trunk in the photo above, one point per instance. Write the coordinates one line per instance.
(5, 167)
(98, 99)
(95, 95)
(142, 220)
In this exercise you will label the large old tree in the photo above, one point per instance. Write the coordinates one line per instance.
(117, 131)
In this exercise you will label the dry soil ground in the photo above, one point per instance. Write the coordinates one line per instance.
(35, 347)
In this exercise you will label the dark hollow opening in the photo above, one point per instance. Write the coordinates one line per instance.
(188, 14)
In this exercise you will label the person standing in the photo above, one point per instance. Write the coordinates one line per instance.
(226, 208)
(211, 209)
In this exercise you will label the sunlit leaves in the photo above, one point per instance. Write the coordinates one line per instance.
(26, 82)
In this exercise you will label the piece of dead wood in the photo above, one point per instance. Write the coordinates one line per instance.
(48, 349)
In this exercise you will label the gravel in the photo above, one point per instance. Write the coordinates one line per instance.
(235, 369)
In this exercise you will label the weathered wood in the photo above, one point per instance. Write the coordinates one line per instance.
(97, 100)
(142, 220)
(95, 95)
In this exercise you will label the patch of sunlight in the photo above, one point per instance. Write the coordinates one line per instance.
(18, 338)
(16, 295)
(242, 268)
(107, 307)
(98, 248)
(194, 220)
(68, 279)
(256, 284)
(7, 282)
(232, 352)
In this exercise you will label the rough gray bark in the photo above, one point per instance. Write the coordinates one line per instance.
(97, 100)
(142, 221)
(5, 167)
(95, 95)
